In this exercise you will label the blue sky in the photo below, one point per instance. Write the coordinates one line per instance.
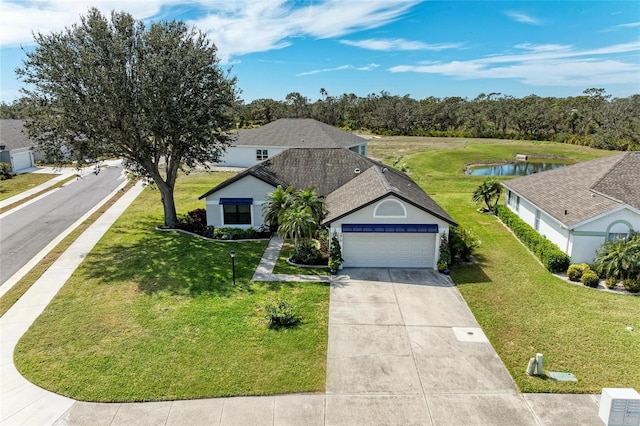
(419, 48)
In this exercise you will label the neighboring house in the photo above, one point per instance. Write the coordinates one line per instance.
(579, 207)
(254, 145)
(381, 216)
(16, 148)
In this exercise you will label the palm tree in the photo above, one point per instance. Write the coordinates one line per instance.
(488, 192)
(619, 259)
(277, 204)
(309, 200)
(297, 224)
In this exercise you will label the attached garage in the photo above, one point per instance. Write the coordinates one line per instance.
(21, 159)
(389, 250)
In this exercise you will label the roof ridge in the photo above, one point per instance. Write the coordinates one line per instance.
(381, 172)
(608, 172)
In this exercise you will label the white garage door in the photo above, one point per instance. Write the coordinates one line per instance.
(389, 250)
(21, 160)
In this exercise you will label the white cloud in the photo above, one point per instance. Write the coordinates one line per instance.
(396, 44)
(369, 67)
(522, 17)
(19, 20)
(249, 26)
(543, 65)
(621, 27)
(236, 27)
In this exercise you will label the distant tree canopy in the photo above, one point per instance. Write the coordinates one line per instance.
(593, 119)
(153, 95)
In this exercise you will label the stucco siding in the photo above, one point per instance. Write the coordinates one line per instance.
(249, 187)
(587, 239)
(551, 230)
(245, 156)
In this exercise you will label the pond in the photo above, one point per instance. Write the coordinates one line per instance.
(517, 168)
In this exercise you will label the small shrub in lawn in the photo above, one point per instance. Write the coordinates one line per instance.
(590, 278)
(575, 271)
(281, 314)
(631, 285)
(610, 283)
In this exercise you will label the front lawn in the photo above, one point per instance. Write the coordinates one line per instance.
(153, 315)
(21, 183)
(521, 307)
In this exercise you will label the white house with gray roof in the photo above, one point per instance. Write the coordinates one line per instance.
(579, 207)
(254, 145)
(16, 148)
(380, 215)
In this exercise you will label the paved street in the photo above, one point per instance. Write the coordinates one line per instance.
(28, 230)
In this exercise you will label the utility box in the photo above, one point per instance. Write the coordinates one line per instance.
(620, 407)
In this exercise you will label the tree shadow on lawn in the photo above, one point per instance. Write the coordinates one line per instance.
(176, 263)
(470, 273)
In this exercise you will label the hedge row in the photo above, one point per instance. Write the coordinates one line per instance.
(554, 259)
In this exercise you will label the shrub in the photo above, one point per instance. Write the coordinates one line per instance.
(554, 259)
(306, 253)
(195, 221)
(610, 283)
(281, 314)
(575, 271)
(445, 252)
(335, 253)
(631, 285)
(462, 243)
(590, 278)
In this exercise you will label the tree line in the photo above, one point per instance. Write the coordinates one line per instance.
(594, 118)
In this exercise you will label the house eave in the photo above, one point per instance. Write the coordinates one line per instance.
(375, 200)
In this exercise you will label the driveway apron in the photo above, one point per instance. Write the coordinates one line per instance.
(404, 348)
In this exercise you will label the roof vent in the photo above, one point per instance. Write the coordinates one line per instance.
(565, 212)
(384, 170)
(356, 171)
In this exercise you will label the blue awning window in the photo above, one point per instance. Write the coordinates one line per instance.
(236, 201)
(422, 228)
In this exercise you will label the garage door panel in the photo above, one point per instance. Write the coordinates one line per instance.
(21, 161)
(389, 250)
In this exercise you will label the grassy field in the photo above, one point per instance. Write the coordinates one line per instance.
(154, 315)
(21, 183)
(521, 307)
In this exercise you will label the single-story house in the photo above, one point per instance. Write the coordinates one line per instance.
(15, 147)
(254, 145)
(579, 207)
(381, 216)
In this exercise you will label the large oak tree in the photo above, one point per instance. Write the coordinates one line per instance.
(153, 95)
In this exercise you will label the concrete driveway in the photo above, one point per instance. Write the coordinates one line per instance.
(404, 348)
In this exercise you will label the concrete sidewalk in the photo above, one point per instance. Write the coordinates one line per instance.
(264, 271)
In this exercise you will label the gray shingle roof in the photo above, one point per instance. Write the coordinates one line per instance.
(583, 190)
(349, 181)
(297, 133)
(12, 134)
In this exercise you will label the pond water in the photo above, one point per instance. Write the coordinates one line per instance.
(518, 168)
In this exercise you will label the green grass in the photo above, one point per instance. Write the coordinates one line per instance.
(282, 267)
(153, 315)
(521, 307)
(21, 183)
